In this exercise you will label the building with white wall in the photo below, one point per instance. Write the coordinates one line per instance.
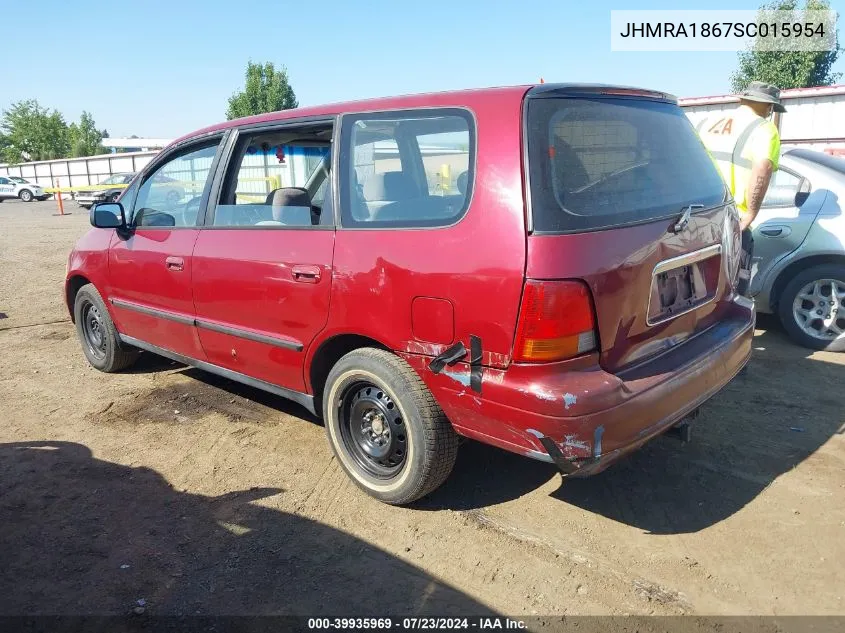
(814, 117)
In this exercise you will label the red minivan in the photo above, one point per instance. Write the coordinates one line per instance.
(549, 269)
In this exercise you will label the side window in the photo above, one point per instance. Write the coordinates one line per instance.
(170, 195)
(278, 178)
(783, 189)
(410, 169)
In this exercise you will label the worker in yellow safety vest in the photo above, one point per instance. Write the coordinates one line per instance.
(745, 145)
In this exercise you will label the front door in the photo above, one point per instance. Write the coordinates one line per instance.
(262, 266)
(150, 267)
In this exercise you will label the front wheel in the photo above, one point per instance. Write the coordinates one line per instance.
(26, 195)
(100, 341)
(385, 428)
(812, 308)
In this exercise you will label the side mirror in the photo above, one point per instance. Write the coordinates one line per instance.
(108, 215)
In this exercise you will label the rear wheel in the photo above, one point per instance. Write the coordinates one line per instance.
(812, 308)
(97, 333)
(385, 428)
(26, 195)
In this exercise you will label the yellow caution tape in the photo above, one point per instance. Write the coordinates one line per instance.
(82, 188)
(193, 184)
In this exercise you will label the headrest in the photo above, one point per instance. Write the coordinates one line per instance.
(391, 185)
(462, 182)
(289, 197)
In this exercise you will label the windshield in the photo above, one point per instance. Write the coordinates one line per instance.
(598, 162)
(18, 180)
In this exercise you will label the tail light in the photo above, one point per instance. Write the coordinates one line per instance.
(556, 321)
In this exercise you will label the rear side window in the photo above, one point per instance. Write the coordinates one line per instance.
(597, 163)
(406, 169)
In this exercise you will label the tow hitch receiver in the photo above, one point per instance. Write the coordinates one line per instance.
(683, 429)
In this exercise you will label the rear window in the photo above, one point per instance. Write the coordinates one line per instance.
(597, 163)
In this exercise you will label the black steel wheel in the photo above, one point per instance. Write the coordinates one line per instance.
(93, 330)
(372, 429)
(100, 341)
(385, 428)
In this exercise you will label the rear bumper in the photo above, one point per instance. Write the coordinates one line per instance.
(585, 419)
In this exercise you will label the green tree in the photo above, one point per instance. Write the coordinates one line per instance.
(266, 90)
(788, 69)
(33, 133)
(85, 138)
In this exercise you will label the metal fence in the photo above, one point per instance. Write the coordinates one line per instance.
(67, 173)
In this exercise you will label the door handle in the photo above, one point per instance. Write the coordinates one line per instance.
(306, 274)
(174, 263)
(774, 231)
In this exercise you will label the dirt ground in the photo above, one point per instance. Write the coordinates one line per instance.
(196, 495)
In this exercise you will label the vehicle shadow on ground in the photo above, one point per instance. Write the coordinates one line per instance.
(151, 363)
(265, 398)
(763, 424)
(87, 536)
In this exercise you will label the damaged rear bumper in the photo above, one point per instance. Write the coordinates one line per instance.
(585, 419)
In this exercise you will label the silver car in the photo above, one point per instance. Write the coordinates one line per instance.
(799, 249)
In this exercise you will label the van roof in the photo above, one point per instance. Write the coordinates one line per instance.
(453, 98)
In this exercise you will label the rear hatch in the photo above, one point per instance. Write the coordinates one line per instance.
(624, 199)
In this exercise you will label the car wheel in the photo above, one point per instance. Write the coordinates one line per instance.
(100, 341)
(812, 308)
(25, 195)
(385, 428)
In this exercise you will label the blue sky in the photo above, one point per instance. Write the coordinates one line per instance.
(161, 69)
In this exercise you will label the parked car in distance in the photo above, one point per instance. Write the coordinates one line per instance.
(16, 187)
(391, 266)
(799, 249)
(109, 192)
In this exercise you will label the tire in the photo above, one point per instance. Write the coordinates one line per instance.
(417, 428)
(104, 352)
(824, 274)
(26, 195)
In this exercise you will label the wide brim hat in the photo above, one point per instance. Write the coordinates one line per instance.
(763, 93)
